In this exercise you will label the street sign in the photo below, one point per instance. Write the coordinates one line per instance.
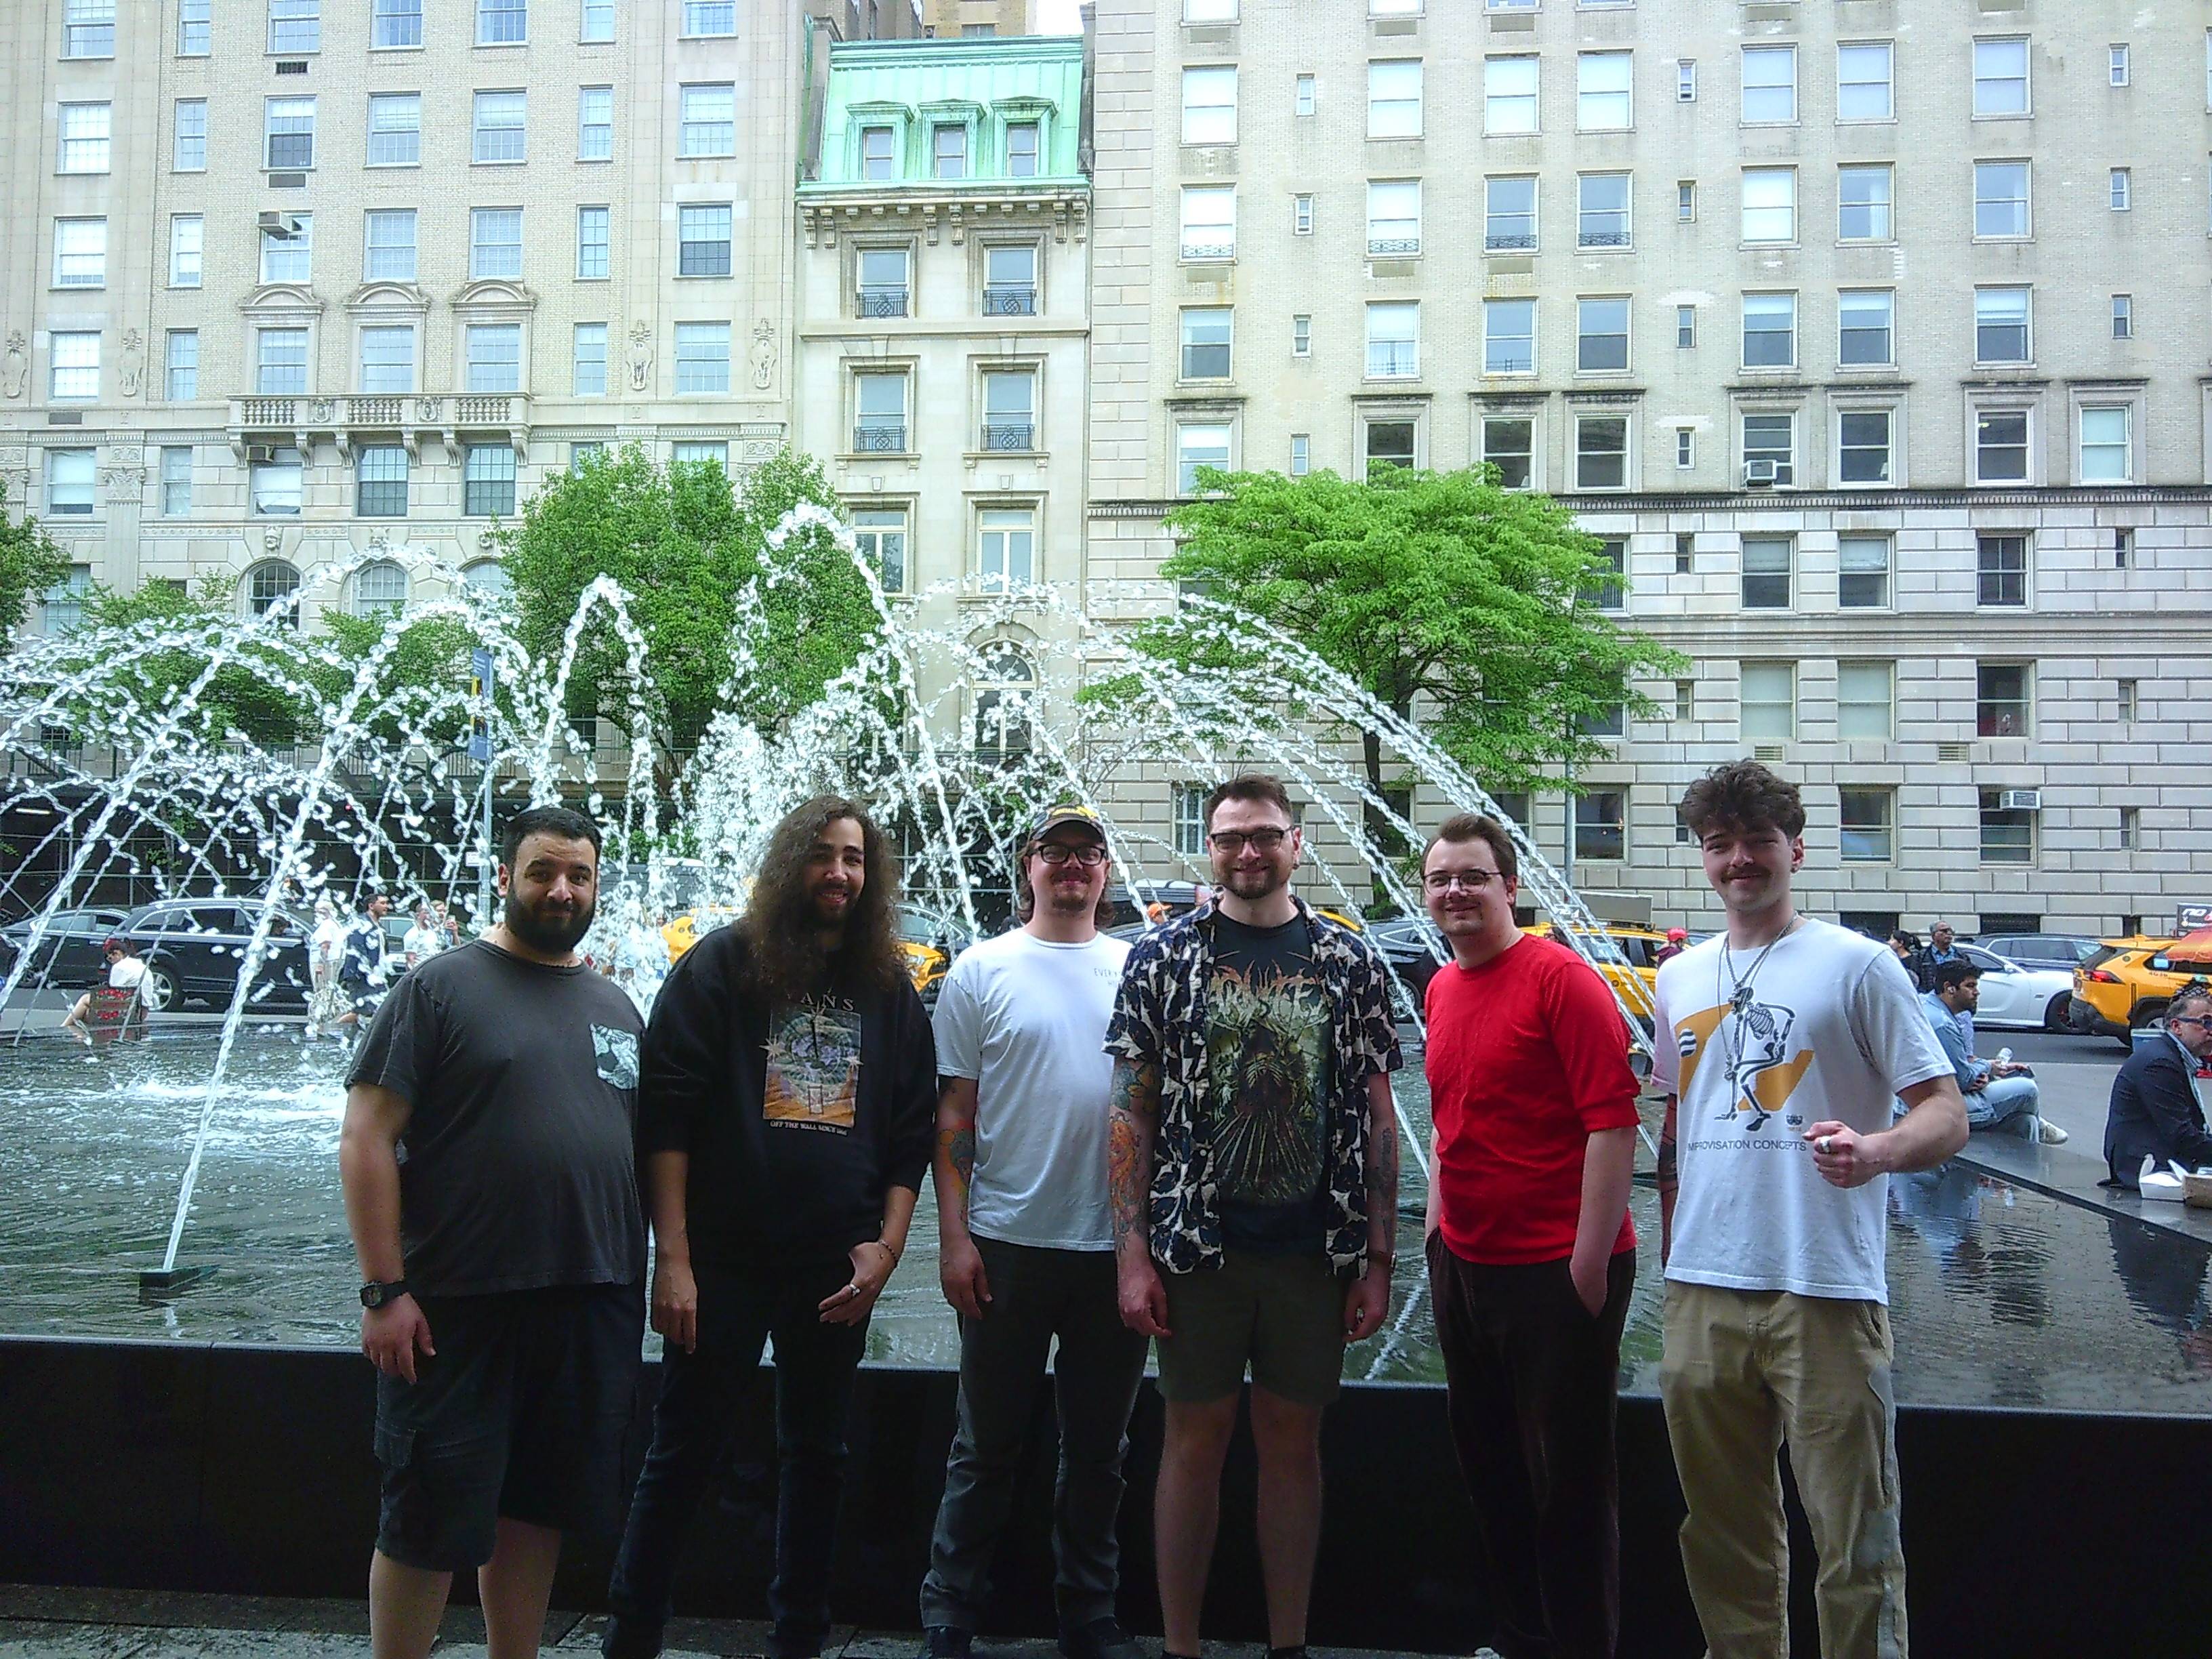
(2187, 918)
(480, 688)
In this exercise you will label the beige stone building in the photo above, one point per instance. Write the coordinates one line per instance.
(289, 282)
(978, 19)
(1871, 337)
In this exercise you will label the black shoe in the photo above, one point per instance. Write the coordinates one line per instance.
(945, 1642)
(1102, 1638)
(629, 1638)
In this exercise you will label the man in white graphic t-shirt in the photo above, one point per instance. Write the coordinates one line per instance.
(1780, 1044)
(1025, 1241)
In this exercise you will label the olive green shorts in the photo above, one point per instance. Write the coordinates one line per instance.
(1283, 1313)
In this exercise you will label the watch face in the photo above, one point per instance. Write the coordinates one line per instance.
(372, 1295)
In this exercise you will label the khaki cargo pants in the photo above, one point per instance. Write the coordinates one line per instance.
(1744, 1371)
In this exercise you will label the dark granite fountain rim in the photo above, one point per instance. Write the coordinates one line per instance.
(2074, 1178)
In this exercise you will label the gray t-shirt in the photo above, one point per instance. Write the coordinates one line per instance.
(516, 1169)
(1026, 1018)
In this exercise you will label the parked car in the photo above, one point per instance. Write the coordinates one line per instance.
(69, 956)
(193, 949)
(2019, 995)
(2126, 984)
(1403, 943)
(2060, 950)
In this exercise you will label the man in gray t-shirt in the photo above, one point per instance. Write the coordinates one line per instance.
(1025, 1243)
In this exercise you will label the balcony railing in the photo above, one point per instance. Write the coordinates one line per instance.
(381, 411)
(1602, 239)
(1209, 248)
(1015, 435)
(882, 302)
(1393, 245)
(1009, 300)
(880, 438)
(1509, 241)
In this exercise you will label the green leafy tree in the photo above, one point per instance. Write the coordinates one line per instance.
(269, 707)
(31, 562)
(429, 657)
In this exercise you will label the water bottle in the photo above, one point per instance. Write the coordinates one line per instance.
(2004, 1056)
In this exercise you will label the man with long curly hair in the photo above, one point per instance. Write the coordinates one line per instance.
(786, 1114)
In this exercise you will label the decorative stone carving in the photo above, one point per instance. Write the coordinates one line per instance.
(763, 356)
(760, 449)
(428, 409)
(640, 357)
(122, 483)
(272, 541)
(321, 409)
(18, 363)
(133, 362)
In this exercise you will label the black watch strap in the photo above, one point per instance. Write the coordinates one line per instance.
(377, 1292)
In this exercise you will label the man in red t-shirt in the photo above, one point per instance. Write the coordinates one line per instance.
(1531, 1254)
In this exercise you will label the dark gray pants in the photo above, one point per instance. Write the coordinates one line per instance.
(1037, 1295)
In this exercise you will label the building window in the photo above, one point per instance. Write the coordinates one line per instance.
(1393, 99)
(87, 28)
(1602, 215)
(702, 231)
(948, 149)
(1865, 320)
(1006, 551)
(2002, 700)
(1301, 336)
(1508, 224)
(589, 361)
(287, 126)
(498, 133)
(597, 25)
(70, 477)
(272, 588)
(1189, 815)
(880, 280)
(1770, 204)
(1769, 445)
(1394, 215)
(1604, 96)
(1010, 287)
(702, 358)
(1865, 74)
(1865, 701)
(287, 248)
(2123, 317)
(195, 35)
(1685, 551)
(1610, 591)
(2001, 446)
(2128, 703)
(879, 153)
(396, 23)
(1601, 452)
(1863, 572)
(1769, 331)
(700, 452)
(280, 362)
(494, 357)
(1601, 826)
(879, 424)
(1686, 201)
(2008, 832)
(395, 130)
(502, 23)
(1686, 448)
(273, 483)
(1199, 444)
(388, 246)
(1685, 328)
(74, 374)
(1394, 340)
(2118, 69)
(2001, 76)
(1866, 824)
(380, 492)
(1685, 81)
(2001, 325)
(2131, 826)
(187, 240)
(1600, 334)
(1301, 454)
(381, 584)
(296, 25)
(84, 132)
(1303, 101)
(1006, 701)
(1766, 573)
(2119, 190)
(1301, 214)
(189, 151)
(703, 18)
(2001, 199)
(1209, 104)
(494, 242)
(1770, 85)
(1209, 221)
(1863, 445)
(1509, 443)
(1390, 443)
(595, 124)
(177, 482)
(1010, 409)
(706, 120)
(880, 534)
(1023, 144)
(387, 359)
(183, 365)
(2123, 543)
(1863, 203)
(1508, 96)
(487, 480)
(2001, 570)
(1509, 336)
(1207, 342)
(2107, 445)
(1767, 701)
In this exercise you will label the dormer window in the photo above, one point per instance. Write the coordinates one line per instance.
(1022, 149)
(879, 153)
(949, 151)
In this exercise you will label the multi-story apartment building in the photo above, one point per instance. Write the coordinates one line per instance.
(978, 19)
(1870, 337)
(284, 283)
(944, 287)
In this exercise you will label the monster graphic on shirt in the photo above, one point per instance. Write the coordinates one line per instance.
(1267, 1064)
(813, 1066)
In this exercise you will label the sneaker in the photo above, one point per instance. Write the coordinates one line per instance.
(2051, 1134)
(1102, 1638)
(629, 1638)
(945, 1642)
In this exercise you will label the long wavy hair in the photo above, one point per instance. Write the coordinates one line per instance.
(788, 957)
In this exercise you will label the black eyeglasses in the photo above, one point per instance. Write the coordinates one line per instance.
(1233, 842)
(1090, 855)
(1443, 881)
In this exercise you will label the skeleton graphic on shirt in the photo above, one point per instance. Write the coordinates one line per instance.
(1760, 1040)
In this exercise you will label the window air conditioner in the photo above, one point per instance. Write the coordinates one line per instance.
(2019, 800)
(283, 226)
(1759, 472)
(260, 454)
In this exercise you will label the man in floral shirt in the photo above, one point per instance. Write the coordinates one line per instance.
(1253, 1045)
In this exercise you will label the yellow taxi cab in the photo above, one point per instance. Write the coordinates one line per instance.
(2126, 983)
(1635, 980)
(925, 965)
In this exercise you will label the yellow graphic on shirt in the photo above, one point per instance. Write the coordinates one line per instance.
(1763, 1072)
(813, 1076)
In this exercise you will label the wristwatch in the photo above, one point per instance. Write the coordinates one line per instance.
(377, 1292)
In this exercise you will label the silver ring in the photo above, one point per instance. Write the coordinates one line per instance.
(1825, 1145)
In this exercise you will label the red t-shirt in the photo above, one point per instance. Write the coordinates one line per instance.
(1528, 1057)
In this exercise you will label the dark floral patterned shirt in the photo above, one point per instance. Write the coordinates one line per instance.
(1159, 1018)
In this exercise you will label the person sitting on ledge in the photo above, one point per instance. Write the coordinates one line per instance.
(125, 974)
(2000, 1095)
(2155, 1109)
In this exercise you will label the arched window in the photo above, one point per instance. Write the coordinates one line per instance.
(381, 585)
(488, 576)
(1006, 703)
(269, 584)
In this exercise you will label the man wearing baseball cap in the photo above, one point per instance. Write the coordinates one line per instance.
(1025, 1244)
(1678, 941)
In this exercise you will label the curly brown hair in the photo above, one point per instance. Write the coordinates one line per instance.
(788, 956)
(1742, 795)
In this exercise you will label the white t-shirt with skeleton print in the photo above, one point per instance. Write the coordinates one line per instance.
(1826, 1027)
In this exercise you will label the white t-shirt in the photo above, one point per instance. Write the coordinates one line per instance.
(1027, 1020)
(1832, 1030)
(127, 974)
(422, 943)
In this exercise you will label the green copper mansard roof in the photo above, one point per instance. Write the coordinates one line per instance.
(984, 85)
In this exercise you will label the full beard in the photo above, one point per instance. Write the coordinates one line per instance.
(552, 932)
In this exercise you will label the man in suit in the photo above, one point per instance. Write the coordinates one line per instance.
(2156, 1109)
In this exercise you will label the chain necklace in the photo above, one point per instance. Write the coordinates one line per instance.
(1740, 994)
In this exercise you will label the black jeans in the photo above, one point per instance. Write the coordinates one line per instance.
(700, 1396)
(1532, 1381)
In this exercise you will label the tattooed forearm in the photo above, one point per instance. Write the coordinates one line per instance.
(958, 1148)
(1382, 1169)
(1132, 1109)
(954, 1164)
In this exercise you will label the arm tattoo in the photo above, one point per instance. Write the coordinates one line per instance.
(1383, 1182)
(1132, 1109)
(1668, 1171)
(959, 1147)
